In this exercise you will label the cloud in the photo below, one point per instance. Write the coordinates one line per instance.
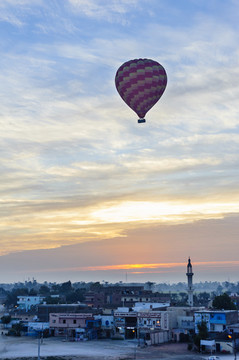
(145, 249)
(103, 10)
(75, 165)
(15, 14)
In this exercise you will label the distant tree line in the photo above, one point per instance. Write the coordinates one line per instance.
(68, 292)
(54, 294)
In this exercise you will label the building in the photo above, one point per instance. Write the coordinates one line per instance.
(44, 310)
(36, 328)
(125, 322)
(223, 328)
(142, 306)
(153, 326)
(25, 303)
(107, 325)
(111, 296)
(190, 282)
(122, 295)
(66, 325)
(182, 322)
(3, 296)
(216, 320)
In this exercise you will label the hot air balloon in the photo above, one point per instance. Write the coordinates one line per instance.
(141, 83)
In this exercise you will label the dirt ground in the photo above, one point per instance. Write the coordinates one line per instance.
(24, 347)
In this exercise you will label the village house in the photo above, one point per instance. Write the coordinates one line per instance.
(73, 325)
(107, 325)
(44, 310)
(153, 326)
(25, 303)
(222, 325)
(216, 320)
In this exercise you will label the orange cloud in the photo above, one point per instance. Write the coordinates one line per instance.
(154, 266)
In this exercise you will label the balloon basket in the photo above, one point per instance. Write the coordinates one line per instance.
(141, 121)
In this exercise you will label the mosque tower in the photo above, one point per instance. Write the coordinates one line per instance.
(190, 282)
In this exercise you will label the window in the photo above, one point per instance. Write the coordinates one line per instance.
(64, 321)
(74, 321)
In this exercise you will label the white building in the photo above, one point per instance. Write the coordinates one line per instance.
(26, 302)
(153, 320)
(141, 306)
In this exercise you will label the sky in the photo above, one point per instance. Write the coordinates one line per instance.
(87, 193)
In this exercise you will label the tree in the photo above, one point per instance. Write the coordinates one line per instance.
(202, 334)
(44, 290)
(66, 287)
(174, 298)
(223, 302)
(53, 300)
(2, 291)
(16, 329)
(184, 298)
(12, 296)
(96, 286)
(75, 296)
(32, 292)
(6, 319)
(202, 299)
(55, 288)
(219, 289)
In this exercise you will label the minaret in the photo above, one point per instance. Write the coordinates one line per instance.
(190, 282)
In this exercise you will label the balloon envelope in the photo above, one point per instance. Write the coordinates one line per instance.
(141, 83)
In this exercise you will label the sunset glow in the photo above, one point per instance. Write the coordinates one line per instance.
(156, 266)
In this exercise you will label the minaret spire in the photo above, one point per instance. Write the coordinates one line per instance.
(190, 282)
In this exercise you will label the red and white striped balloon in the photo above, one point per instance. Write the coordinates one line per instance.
(141, 83)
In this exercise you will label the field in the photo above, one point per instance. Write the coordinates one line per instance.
(56, 349)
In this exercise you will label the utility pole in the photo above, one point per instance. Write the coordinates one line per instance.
(40, 341)
(234, 346)
(39, 345)
(233, 337)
